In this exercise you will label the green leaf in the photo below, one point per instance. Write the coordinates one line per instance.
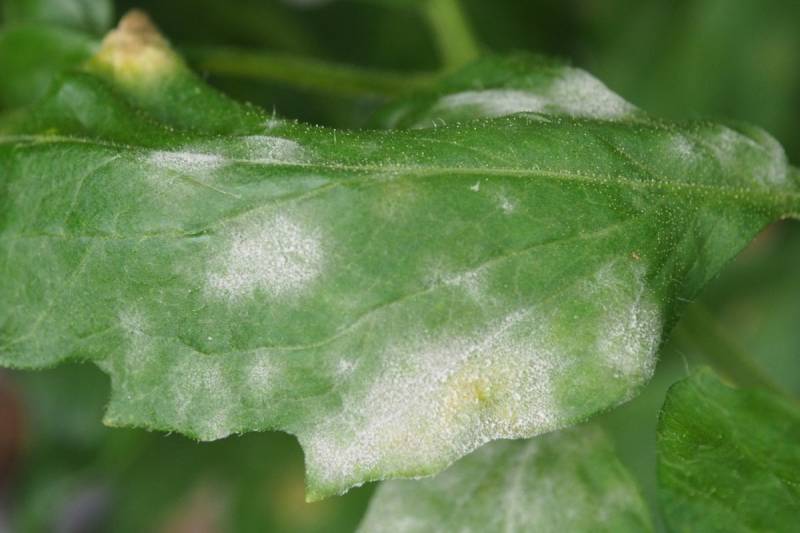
(729, 459)
(71, 466)
(566, 481)
(32, 55)
(92, 16)
(395, 299)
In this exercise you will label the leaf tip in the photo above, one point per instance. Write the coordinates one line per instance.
(135, 52)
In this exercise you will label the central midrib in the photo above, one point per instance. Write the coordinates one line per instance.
(776, 199)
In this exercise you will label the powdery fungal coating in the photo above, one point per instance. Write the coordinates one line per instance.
(631, 331)
(437, 399)
(580, 94)
(440, 396)
(185, 162)
(566, 481)
(575, 93)
(279, 256)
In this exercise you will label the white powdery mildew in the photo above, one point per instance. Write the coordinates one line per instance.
(201, 396)
(278, 256)
(261, 374)
(185, 162)
(438, 399)
(580, 94)
(270, 149)
(631, 330)
(575, 93)
(494, 102)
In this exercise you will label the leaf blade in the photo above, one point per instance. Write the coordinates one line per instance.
(394, 299)
(728, 458)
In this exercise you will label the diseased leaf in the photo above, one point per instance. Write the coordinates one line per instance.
(395, 299)
(729, 460)
(500, 86)
(570, 480)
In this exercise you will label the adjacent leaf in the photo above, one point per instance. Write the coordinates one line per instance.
(32, 56)
(566, 481)
(395, 299)
(729, 460)
(501, 86)
(92, 16)
(75, 472)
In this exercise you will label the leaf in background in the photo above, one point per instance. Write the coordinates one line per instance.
(729, 459)
(395, 299)
(73, 469)
(501, 86)
(32, 55)
(570, 480)
(42, 38)
(91, 16)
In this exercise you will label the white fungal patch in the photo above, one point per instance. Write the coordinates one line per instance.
(441, 398)
(493, 102)
(580, 94)
(270, 149)
(476, 187)
(261, 374)
(506, 204)
(576, 93)
(471, 281)
(185, 162)
(683, 148)
(201, 395)
(279, 256)
(631, 336)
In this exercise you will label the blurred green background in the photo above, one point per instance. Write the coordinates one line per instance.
(61, 470)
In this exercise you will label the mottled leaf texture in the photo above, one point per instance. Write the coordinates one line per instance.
(570, 480)
(729, 460)
(394, 298)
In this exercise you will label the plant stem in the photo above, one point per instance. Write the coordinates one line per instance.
(794, 176)
(310, 74)
(700, 329)
(454, 37)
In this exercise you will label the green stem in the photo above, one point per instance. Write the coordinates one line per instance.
(699, 328)
(794, 209)
(454, 37)
(309, 74)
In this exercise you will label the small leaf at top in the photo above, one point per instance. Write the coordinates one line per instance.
(394, 298)
(570, 480)
(729, 460)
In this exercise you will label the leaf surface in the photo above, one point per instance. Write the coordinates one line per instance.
(393, 298)
(729, 459)
(570, 480)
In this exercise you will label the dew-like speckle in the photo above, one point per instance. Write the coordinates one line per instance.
(278, 255)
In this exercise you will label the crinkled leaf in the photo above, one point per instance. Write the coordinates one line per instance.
(395, 299)
(729, 460)
(570, 480)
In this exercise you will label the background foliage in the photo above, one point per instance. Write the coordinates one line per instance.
(733, 59)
